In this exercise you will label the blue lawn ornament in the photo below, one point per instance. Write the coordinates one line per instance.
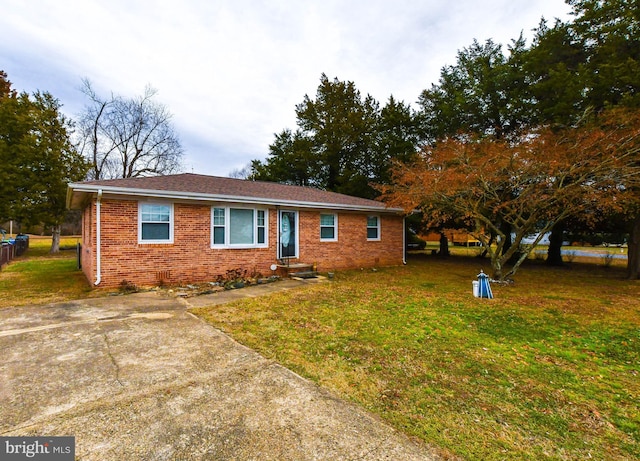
(484, 289)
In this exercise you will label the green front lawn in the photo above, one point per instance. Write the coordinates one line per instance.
(549, 369)
(37, 277)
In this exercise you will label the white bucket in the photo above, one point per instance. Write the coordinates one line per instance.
(476, 288)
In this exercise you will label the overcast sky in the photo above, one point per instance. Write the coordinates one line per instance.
(231, 72)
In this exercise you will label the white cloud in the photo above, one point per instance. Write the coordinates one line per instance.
(232, 71)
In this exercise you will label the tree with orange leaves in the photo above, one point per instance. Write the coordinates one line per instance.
(545, 177)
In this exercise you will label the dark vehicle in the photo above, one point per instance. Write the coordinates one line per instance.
(414, 242)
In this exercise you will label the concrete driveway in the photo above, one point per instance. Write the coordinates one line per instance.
(138, 378)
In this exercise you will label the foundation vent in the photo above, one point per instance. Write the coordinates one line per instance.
(163, 276)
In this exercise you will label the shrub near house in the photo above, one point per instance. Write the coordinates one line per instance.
(194, 228)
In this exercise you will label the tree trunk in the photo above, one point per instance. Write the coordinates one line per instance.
(633, 251)
(444, 245)
(485, 250)
(521, 258)
(554, 254)
(505, 228)
(496, 265)
(55, 239)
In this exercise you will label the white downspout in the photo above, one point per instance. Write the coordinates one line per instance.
(404, 241)
(98, 268)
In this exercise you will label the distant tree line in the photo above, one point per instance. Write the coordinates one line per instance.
(507, 143)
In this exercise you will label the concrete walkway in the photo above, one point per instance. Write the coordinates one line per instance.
(139, 378)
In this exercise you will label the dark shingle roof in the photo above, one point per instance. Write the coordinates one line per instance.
(201, 187)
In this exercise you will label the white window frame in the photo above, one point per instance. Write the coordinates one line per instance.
(227, 228)
(335, 227)
(223, 226)
(377, 227)
(141, 206)
(265, 217)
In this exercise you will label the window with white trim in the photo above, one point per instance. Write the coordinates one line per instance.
(219, 219)
(155, 223)
(238, 227)
(328, 227)
(373, 227)
(261, 226)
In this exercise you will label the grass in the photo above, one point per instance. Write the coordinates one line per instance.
(549, 369)
(38, 277)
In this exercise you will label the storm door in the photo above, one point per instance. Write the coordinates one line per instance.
(287, 234)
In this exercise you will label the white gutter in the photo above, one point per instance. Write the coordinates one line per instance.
(175, 195)
(98, 241)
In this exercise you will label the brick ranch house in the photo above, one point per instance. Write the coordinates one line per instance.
(190, 228)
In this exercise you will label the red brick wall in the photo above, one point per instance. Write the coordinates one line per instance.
(190, 259)
(352, 249)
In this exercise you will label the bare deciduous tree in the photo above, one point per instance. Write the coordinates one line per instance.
(125, 138)
(241, 173)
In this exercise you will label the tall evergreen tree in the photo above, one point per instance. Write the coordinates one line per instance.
(344, 142)
(482, 94)
(554, 68)
(38, 159)
(609, 31)
(398, 136)
(290, 161)
(340, 123)
(14, 128)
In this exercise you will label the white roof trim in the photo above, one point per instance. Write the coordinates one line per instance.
(177, 195)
